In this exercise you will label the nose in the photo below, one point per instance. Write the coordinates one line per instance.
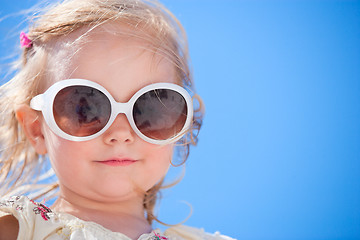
(120, 131)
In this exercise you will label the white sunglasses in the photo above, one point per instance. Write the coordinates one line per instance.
(80, 110)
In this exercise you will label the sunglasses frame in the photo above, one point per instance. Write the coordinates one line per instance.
(44, 103)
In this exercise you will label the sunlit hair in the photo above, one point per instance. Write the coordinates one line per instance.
(20, 165)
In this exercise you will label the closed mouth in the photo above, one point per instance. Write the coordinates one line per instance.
(118, 162)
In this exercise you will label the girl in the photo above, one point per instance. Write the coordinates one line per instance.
(101, 92)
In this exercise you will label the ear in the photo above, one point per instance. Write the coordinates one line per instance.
(31, 124)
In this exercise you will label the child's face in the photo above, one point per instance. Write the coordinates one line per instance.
(87, 169)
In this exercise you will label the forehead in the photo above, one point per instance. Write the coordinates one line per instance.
(105, 49)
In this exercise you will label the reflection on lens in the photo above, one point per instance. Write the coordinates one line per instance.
(81, 111)
(160, 114)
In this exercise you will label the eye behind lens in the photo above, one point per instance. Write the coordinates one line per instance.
(160, 114)
(81, 110)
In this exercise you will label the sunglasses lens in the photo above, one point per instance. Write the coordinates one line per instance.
(160, 114)
(81, 111)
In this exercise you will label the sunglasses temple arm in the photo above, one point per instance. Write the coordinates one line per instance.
(37, 102)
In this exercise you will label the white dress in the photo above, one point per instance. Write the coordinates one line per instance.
(38, 222)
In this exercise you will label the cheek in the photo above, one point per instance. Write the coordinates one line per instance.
(162, 156)
(158, 163)
(51, 141)
(62, 153)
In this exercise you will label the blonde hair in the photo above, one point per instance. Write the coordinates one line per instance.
(20, 165)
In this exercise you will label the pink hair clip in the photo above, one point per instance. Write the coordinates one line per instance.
(24, 40)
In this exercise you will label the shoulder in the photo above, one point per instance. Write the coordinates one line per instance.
(191, 233)
(11, 216)
(18, 206)
(9, 227)
(25, 217)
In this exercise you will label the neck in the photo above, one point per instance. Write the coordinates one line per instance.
(125, 216)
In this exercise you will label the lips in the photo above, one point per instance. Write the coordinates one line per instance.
(118, 162)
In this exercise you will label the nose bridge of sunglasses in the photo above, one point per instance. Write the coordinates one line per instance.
(119, 107)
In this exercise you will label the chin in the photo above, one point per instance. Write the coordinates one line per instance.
(118, 194)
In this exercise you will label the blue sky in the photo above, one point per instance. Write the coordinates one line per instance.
(279, 152)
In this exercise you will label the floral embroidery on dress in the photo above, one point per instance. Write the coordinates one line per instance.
(39, 208)
(158, 237)
(42, 210)
(11, 202)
